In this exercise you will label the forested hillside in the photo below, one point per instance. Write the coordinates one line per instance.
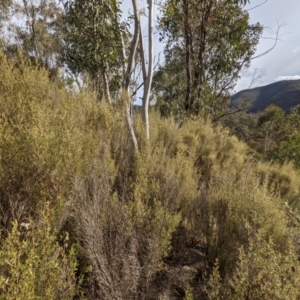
(98, 202)
(285, 94)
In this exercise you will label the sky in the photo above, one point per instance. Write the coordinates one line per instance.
(283, 62)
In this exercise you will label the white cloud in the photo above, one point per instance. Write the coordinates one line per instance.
(295, 77)
(296, 50)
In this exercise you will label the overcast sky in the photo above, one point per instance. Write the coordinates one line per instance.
(283, 62)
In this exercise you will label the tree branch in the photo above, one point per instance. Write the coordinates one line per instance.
(276, 39)
(257, 6)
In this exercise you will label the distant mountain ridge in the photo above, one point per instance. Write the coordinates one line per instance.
(285, 94)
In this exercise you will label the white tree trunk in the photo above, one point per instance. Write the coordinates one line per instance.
(148, 83)
(106, 85)
(137, 40)
(127, 68)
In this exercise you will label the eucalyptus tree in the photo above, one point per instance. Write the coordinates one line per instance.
(35, 26)
(93, 41)
(99, 43)
(211, 41)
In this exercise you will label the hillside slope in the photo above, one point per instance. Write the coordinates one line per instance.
(85, 216)
(285, 94)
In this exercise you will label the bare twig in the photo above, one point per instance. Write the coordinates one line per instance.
(257, 6)
(257, 74)
(276, 39)
(134, 93)
(228, 114)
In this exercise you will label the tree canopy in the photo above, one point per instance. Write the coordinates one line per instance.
(208, 43)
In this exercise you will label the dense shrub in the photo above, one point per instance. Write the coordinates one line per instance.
(33, 265)
(147, 225)
(262, 272)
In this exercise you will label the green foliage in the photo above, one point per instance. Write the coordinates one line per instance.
(261, 273)
(273, 126)
(36, 28)
(287, 146)
(94, 40)
(281, 179)
(208, 43)
(33, 265)
(273, 114)
(271, 134)
(44, 138)
(244, 126)
(287, 151)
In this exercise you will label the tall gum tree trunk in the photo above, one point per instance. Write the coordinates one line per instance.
(106, 84)
(128, 68)
(148, 82)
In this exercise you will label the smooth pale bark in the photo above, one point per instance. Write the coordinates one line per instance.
(127, 68)
(134, 44)
(125, 85)
(106, 85)
(142, 55)
(130, 126)
(148, 82)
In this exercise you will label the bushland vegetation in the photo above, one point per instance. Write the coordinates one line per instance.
(193, 215)
(272, 134)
